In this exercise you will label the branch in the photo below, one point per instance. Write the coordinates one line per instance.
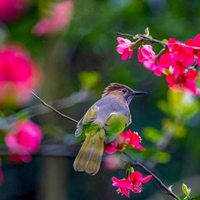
(153, 40)
(160, 183)
(53, 109)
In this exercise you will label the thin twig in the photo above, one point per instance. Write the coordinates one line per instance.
(153, 40)
(144, 37)
(160, 183)
(53, 109)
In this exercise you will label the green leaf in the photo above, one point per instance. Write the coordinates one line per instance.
(89, 79)
(152, 134)
(162, 157)
(186, 190)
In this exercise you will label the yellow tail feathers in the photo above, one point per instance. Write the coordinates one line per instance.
(90, 155)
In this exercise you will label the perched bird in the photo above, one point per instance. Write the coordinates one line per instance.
(102, 123)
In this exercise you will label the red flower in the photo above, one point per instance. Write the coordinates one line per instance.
(137, 180)
(123, 185)
(126, 139)
(11, 9)
(124, 48)
(183, 80)
(18, 75)
(179, 52)
(58, 18)
(132, 183)
(195, 43)
(23, 140)
(147, 57)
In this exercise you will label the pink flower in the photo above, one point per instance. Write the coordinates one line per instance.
(180, 52)
(137, 180)
(184, 80)
(196, 43)
(147, 57)
(57, 19)
(23, 140)
(12, 9)
(126, 139)
(123, 185)
(132, 183)
(124, 48)
(132, 139)
(18, 75)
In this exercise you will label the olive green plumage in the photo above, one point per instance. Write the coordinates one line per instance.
(102, 123)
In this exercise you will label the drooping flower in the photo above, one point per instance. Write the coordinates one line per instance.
(125, 140)
(123, 185)
(124, 48)
(183, 81)
(23, 140)
(57, 18)
(12, 9)
(132, 183)
(137, 180)
(18, 75)
(147, 57)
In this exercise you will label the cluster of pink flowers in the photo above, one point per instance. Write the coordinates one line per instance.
(57, 18)
(12, 9)
(22, 140)
(179, 61)
(131, 184)
(18, 75)
(125, 140)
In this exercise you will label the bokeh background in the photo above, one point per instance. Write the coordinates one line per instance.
(77, 60)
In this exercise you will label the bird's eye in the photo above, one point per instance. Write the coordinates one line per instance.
(124, 91)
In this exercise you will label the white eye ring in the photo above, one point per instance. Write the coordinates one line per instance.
(124, 91)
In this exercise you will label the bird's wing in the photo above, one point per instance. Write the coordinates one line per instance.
(115, 124)
(89, 117)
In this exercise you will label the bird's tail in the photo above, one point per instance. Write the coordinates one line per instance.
(90, 155)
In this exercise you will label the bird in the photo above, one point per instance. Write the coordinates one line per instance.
(101, 124)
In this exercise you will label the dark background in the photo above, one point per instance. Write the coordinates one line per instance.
(83, 58)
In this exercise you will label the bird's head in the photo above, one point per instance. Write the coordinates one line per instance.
(122, 91)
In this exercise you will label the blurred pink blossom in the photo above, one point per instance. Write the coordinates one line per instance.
(18, 75)
(57, 19)
(12, 9)
(112, 162)
(23, 140)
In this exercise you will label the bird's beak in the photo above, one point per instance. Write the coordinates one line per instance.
(138, 93)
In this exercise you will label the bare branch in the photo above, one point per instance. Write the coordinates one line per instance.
(53, 109)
